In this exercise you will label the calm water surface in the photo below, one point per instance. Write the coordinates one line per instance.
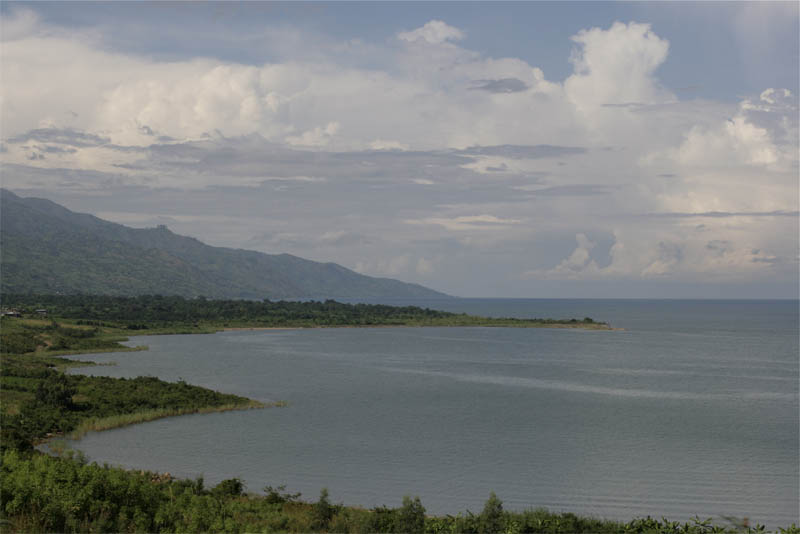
(693, 409)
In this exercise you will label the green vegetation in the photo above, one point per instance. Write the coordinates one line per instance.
(159, 314)
(97, 424)
(21, 336)
(39, 400)
(41, 493)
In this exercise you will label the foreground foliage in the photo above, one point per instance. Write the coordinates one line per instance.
(41, 493)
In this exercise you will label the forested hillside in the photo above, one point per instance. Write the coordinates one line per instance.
(47, 248)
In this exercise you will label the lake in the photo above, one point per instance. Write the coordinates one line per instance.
(692, 409)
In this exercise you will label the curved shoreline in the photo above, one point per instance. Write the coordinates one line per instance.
(127, 419)
(134, 419)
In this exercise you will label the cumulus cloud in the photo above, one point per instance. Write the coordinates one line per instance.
(735, 142)
(317, 137)
(433, 32)
(604, 58)
(504, 85)
(579, 262)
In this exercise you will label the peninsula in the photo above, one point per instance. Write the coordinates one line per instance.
(174, 314)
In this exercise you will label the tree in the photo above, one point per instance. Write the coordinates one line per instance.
(56, 391)
(412, 516)
(491, 518)
(323, 510)
(231, 487)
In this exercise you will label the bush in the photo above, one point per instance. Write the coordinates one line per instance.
(411, 518)
(322, 511)
(55, 391)
(491, 518)
(279, 495)
(232, 487)
(18, 342)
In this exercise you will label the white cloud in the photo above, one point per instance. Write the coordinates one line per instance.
(433, 32)
(617, 66)
(377, 132)
(19, 23)
(467, 222)
(317, 137)
(725, 249)
(380, 144)
(735, 142)
(579, 262)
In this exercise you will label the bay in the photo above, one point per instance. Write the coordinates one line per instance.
(691, 409)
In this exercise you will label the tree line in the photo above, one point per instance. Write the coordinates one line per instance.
(154, 311)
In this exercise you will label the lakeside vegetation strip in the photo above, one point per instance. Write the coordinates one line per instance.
(159, 314)
(98, 424)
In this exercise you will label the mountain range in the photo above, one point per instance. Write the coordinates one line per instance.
(46, 248)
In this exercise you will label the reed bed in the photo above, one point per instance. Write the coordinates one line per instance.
(100, 350)
(97, 424)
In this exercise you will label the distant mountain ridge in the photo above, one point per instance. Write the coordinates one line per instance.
(46, 248)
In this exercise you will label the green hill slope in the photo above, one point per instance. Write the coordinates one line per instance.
(46, 248)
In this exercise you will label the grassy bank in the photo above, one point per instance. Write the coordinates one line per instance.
(97, 424)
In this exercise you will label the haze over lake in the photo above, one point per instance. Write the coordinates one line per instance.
(692, 409)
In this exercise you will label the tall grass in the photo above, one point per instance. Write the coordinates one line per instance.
(97, 424)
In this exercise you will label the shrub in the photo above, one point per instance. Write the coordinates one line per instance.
(232, 487)
(491, 518)
(411, 518)
(322, 511)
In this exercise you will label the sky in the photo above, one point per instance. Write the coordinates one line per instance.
(483, 149)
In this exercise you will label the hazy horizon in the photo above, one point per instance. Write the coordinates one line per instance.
(508, 150)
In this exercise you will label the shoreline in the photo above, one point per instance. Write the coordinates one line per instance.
(119, 421)
(560, 326)
(100, 424)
